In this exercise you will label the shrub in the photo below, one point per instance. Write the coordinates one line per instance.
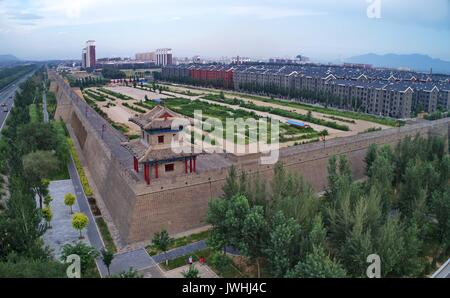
(87, 255)
(79, 221)
(84, 181)
(220, 261)
(69, 200)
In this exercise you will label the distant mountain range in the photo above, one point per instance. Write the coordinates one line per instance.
(8, 58)
(415, 62)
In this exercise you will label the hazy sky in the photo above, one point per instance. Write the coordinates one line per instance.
(321, 29)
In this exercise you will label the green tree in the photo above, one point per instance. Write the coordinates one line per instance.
(280, 249)
(21, 267)
(227, 219)
(371, 156)
(80, 222)
(69, 200)
(390, 244)
(231, 187)
(317, 264)
(254, 235)
(356, 248)
(47, 200)
(47, 214)
(87, 255)
(162, 241)
(107, 258)
(131, 273)
(21, 224)
(40, 165)
(413, 262)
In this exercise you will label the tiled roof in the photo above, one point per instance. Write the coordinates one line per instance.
(158, 118)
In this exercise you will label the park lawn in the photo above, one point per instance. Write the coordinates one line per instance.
(106, 235)
(178, 242)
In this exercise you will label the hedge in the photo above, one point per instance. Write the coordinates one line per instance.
(84, 181)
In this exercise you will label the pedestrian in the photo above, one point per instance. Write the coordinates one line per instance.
(202, 260)
(190, 260)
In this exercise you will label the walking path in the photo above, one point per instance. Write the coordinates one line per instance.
(139, 259)
(61, 231)
(203, 271)
(180, 251)
(44, 105)
(443, 271)
(92, 230)
(188, 249)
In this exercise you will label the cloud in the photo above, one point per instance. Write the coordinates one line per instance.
(269, 12)
(25, 16)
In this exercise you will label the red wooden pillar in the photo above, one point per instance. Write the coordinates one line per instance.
(195, 164)
(190, 164)
(156, 169)
(136, 165)
(185, 165)
(147, 173)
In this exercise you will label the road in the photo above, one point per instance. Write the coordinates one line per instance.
(5, 95)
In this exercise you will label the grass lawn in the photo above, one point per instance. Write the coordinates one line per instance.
(179, 242)
(106, 235)
(229, 271)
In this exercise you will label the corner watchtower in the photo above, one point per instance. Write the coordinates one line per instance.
(153, 153)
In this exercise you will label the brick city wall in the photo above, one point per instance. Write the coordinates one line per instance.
(116, 188)
(180, 203)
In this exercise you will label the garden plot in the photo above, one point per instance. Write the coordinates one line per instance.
(137, 93)
(356, 125)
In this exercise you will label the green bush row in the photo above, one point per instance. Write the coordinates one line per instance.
(115, 94)
(84, 181)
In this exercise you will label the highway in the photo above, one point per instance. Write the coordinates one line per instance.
(5, 95)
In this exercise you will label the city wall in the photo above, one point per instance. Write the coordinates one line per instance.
(180, 203)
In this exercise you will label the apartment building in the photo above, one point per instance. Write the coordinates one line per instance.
(383, 92)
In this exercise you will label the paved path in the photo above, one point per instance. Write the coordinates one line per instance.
(444, 271)
(62, 231)
(203, 271)
(187, 249)
(92, 230)
(139, 259)
(180, 251)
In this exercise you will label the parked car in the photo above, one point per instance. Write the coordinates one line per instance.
(5, 110)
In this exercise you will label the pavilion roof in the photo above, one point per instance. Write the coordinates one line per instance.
(159, 117)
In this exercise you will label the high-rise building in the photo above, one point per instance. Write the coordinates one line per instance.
(83, 58)
(90, 54)
(146, 57)
(164, 57)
